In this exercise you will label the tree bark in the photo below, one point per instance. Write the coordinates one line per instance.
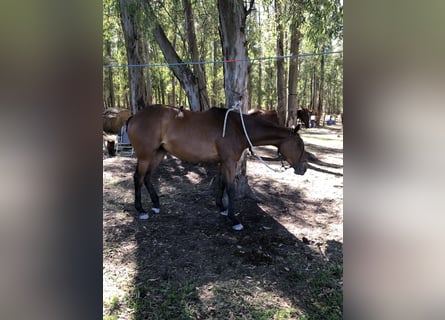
(197, 96)
(320, 90)
(149, 99)
(135, 49)
(293, 76)
(232, 26)
(110, 99)
(198, 69)
(181, 71)
(280, 84)
(215, 75)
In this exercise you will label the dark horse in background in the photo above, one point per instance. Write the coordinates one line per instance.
(196, 137)
(270, 115)
(303, 114)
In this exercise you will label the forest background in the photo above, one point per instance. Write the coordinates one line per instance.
(171, 51)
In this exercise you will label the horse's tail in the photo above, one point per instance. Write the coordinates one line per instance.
(128, 121)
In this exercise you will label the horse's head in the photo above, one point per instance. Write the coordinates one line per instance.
(304, 115)
(292, 149)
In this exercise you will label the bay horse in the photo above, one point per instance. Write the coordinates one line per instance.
(271, 115)
(196, 137)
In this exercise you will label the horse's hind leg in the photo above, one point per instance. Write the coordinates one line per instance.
(139, 175)
(219, 195)
(159, 156)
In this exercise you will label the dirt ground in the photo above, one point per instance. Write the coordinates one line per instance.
(187, 263)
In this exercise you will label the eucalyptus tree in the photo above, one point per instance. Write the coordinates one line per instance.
(325, 23)
(281, 87)
(108, 87)
(190, 82)
(115, 79)
(130, 17)
(198, 69)
(232, 26)
(296, 10)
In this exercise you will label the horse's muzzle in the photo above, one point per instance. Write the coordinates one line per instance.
(300, 168)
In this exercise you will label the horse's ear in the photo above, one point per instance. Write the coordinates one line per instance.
(298, 127)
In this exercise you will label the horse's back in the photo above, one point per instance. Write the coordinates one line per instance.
(191, 136)
(269, 115)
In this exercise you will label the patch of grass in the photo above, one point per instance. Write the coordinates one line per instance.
(164, 302)
(286, 313)
(321, 290)
(234, 300)
(113, 306)
(326, 300)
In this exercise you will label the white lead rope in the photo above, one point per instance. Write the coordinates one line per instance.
(238, 106)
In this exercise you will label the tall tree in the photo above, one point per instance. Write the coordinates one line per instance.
(148, 74)
(321, 90)
(281, 87)
(198, 69)
(215, 74)
(232, 27)
(325, 24)
(135, 53)
(110, 98)
(197, 96)
(292, 104)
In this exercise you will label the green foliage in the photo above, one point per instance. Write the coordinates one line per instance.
(320, 23)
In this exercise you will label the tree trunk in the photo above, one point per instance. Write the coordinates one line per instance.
(198, 69)
(293, 76)
(197, 96)
(111, 98)
(232, 26)
(314, 97)
(172, 98)
(320, 90)
(134, 47)
(215, 75)
(304, 93)
(182, 72)
(280, 84)
(148, 76)
(260, 85)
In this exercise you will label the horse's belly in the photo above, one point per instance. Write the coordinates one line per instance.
(193, 152)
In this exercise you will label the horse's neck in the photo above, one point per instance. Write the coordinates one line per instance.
(262, 134)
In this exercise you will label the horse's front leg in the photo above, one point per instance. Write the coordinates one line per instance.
(228, 172)
(220, 194)
(231, 207)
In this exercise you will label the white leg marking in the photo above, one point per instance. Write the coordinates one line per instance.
(224, 213)
(238, 227)
(155, 210)
(143, 216)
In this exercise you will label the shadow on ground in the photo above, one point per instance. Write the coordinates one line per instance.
(191, 265)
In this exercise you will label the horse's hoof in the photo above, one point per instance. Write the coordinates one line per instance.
(238, 227)
(224, 213)
(143, 216)
(155, 210)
